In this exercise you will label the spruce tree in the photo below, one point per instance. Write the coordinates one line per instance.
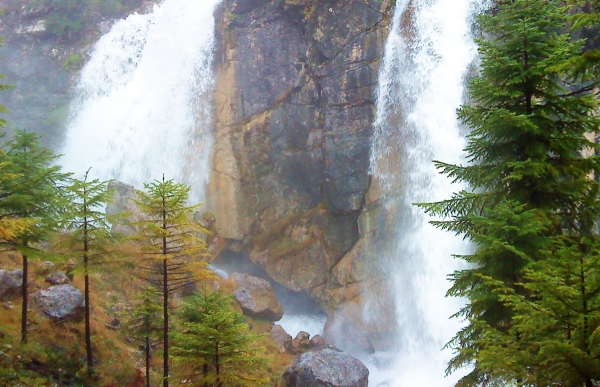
(146, 324)
(173, 247)
(554, 339)
(89, 240)
(528, 180)
(35, 195)
(215, 343)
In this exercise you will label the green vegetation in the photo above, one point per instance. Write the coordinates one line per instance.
(89, 240)
(533, 286)
(171, 239)
(73, 61)
(33, 195)
(214, 342)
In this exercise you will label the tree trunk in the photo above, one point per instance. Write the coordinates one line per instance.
(147, 361)
(86, 290)
(24, 304)
(165, 327)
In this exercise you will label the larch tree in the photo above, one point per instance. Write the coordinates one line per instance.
(215, 344)
(528, 180)
(172, 246)
(88, 240)
(145, 324)
(36, 196)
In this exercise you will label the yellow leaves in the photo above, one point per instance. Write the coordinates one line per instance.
(11, 228)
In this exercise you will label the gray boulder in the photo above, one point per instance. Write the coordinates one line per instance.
(61, 302)
(10, 284)
(256, 297)
(57, 278)
(326, 366)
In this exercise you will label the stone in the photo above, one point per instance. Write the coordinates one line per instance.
(45, 268)
(256, 297)
(326, 366)
(346, 335)
(280, 337)
(317, 341)
(57, 278)
(123, 201)
(10, 284)
(60, 302)
(300, 344)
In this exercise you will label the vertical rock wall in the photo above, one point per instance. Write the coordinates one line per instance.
(294, 104)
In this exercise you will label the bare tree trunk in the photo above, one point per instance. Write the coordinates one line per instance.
(24, 304)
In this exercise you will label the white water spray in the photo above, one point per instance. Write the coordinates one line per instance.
(422, 82)
(142, 102)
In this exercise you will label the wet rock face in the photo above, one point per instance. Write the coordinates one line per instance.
(61, 302)
(327, 367)
(256, 297)
(10, 284)
(294, 103)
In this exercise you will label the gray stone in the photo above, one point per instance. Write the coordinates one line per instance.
(256, 297)
(10, 284)
(57, 278)
(326, 366)
(60, 302)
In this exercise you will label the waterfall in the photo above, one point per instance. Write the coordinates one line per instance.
(428, 56)
(141, 105)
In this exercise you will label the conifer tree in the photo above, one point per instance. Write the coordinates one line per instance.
(172, 249)
(146, 324)
(528, 180)
(554, 339)
(89, 239)
(35, 195)
(214, 341)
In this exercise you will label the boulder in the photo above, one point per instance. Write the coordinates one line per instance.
(300, 344)
(10, 284)
(317, 341)
(326, 366)
(280, 337)
(60, 302)
(57, 278)
(256, 297)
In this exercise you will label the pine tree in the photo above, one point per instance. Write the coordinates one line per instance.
(146, 324)
(528, 180)
(35, 195)
(215, 343)
(89, 239)
(173, 248)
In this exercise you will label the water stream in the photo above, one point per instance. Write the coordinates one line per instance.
(142, 101)
(428, 56)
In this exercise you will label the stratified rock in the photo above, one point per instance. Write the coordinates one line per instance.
(59, 302)
(326, 367)
(280, 337)
(256, 297)
(10, 284)
(57, 278)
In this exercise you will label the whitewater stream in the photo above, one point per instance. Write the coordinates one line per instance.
(142, 102)
(428, 56)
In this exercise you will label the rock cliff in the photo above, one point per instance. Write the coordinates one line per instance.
(294, 103)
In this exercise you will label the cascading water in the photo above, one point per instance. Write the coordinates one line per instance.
(429, 52)
(142, 102)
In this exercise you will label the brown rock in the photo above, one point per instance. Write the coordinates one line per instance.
(256, 297)
(10, 284)
(280, 337)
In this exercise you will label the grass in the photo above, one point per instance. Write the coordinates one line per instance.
(55, 353)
